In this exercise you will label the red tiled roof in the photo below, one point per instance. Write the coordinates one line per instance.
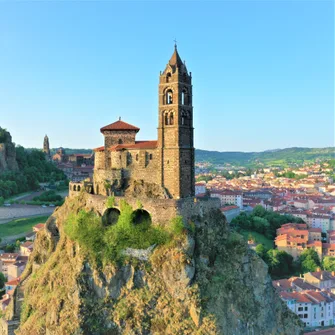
(120, 125)
(315, 230)
(99, 149)
(39, 226)
(14, 282)
(137, 145)
(228, 208)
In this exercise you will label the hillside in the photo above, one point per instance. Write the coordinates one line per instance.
(199, 279)
(7, 152)
(279, 157)
(22, 170)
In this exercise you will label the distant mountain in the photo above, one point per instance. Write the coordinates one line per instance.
(277, 157)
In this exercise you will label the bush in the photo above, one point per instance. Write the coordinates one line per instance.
(48, 196)
(105, 244)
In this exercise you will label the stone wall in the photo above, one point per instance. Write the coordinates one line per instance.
(161, 210)
(115, 137)
(99, 160)
(113, 176)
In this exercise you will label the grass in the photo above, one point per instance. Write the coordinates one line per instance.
(20, 226)
(259, 238)
(105, 244)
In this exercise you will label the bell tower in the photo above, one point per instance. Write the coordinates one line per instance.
(175, 129)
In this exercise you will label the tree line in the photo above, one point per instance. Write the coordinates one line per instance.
(33, 169)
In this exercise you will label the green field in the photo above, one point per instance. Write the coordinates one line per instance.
(20, 226)
(259, 238)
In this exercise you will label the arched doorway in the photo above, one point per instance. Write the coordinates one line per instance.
(141, 216)
(110, 216)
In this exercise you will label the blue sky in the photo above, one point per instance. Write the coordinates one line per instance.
(263, 71)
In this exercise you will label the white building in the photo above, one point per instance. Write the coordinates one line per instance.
(314, 308)
(228, 197)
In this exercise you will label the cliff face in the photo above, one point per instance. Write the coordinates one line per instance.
(7, 152)
(203, 281)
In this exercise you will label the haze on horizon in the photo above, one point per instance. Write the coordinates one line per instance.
(263, 72)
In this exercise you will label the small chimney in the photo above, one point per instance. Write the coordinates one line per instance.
(321, 277)
(318, 269)
(333, 273)
(278, 284)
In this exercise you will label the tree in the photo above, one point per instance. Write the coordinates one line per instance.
(259, 211)
(261, 251)
(328, 263)
(2, 283)
(308, 261)
(2, 201)
(280, 263)
(10, 248)
(260, 224)
(242, 221)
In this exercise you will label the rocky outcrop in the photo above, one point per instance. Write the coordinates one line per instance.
(204, 281)
(142, 189)
(7, 152)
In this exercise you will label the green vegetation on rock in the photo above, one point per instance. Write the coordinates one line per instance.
(106, 243)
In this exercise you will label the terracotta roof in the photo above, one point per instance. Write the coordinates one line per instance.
(9, 256)
(99, 149)
(136, 145)
(282, 284)
(119, 125)
(300, 283)
(315, 230)
(14, 282)
(39, 226)
(27, 244)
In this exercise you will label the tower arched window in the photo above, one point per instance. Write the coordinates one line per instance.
(166, 117)
(120, 141)
(184, 118)
(185, 97)
(171, 119)
(168, 77)
(169, 97)
(137, 157)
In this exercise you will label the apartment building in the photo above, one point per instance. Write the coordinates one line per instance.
(228, 197)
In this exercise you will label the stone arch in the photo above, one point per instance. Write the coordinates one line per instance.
(185, 97)
(166, 119)
(75, 188)
(78, 188)
(110, 216)
(171, 118)
(169, 97)
(141, 216)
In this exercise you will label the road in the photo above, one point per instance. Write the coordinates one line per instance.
(23, 211)
(18, 211)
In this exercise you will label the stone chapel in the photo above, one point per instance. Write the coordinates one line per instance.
(167, 163)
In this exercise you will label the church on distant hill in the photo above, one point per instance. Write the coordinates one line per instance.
(167, 162)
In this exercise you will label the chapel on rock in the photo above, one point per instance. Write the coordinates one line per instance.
(168, 162)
